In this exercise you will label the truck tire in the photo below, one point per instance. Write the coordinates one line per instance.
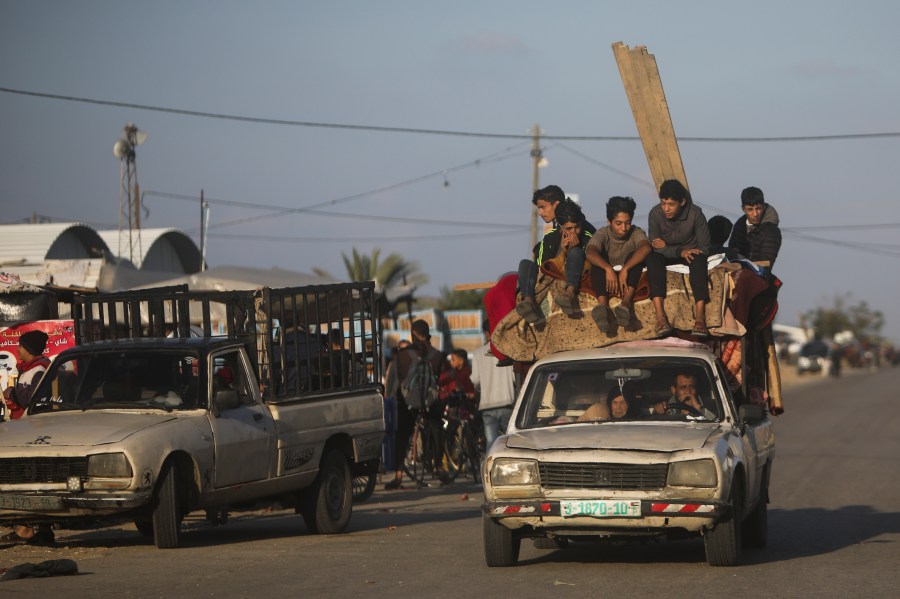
(501, 545)
(167, 514)
(327, 505)
(723, 543)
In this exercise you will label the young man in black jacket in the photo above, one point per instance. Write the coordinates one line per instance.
(756, 235)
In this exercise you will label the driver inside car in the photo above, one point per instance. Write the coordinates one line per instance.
(684, 392)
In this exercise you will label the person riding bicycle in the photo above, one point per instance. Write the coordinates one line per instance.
(400, 367)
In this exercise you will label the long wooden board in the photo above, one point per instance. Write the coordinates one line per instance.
(643, 86)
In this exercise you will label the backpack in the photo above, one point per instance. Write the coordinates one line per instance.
(420, 387)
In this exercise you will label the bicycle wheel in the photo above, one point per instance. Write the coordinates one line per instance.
(364, 486)
(454, 450)
(414, 461)
(473, 452)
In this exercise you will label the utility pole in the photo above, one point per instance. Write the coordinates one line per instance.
(535, 160)
(203, 221)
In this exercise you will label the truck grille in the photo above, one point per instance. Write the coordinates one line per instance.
(629, 477)
(40, 470)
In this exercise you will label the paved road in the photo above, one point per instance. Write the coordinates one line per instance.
(834, 532)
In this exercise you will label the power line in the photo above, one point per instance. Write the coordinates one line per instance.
(308, 239)
(298, 123)
(350, 215)
(509, 152)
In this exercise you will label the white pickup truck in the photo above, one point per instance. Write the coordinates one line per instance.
(143, 421)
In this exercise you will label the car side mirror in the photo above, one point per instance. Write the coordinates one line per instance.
(227, 399)
(752, 413)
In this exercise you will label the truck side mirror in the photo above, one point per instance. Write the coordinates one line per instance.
(227, 399)
(752, 413)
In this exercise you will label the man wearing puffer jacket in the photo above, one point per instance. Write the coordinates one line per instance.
(756, 234)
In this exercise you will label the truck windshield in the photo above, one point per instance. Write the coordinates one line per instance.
(120, 380)
(657, 388)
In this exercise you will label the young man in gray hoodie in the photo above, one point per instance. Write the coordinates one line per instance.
(678, 234)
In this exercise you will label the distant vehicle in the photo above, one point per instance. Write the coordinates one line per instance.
(813, 357)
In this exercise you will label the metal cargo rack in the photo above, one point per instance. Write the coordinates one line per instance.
(285, 330)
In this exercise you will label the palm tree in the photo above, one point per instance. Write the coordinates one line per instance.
(393, 271)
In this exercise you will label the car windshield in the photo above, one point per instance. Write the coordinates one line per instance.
(655, 388)
(120, 380)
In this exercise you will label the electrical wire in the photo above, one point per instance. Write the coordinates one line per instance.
(297, 123)
(338, 239)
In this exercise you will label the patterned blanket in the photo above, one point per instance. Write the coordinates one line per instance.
(525, 343)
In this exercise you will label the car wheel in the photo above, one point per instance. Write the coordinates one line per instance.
(167, 511)
(329, 502)
(501, 545)
(723, 542)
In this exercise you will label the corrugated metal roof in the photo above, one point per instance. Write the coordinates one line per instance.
(161, 249)
(33, 243)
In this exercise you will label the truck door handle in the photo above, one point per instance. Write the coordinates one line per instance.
(257, 416)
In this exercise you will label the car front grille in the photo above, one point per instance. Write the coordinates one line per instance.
(40, 470)
(628, 477)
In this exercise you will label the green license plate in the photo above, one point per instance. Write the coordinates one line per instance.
(30, 503)
(623, 508)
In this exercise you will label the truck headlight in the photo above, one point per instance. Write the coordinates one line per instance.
(514, 472)
(693, 473)
(108, 465)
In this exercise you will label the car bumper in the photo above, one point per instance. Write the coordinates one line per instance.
(655, 515)
(61, 506)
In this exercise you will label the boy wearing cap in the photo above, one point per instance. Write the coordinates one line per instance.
(31, 365)
(756, 234)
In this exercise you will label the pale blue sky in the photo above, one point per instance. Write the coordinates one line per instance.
(730, 69)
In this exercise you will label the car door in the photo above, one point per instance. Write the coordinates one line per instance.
(243, 429)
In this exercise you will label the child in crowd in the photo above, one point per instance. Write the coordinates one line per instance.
(679, 235)
(568, 238)
(617, 244)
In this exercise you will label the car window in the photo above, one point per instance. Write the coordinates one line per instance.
(594, 390)
(120, 380)
(229, 374)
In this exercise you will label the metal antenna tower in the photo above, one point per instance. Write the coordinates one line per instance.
(129, 193)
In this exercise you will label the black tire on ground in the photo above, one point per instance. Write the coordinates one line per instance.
(364, 486)
(144, 525)
(551, 543)
(328, 503)
(501, 545)
(755, 529)
(167, 510)
(414, 460)
(723, 543)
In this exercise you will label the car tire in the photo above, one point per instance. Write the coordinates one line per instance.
(501, 545)
(723, 542)
(167, 510)
(328, 504)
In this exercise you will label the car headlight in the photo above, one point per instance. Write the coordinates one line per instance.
(514, 472)
(694, 473)
(108, 465)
